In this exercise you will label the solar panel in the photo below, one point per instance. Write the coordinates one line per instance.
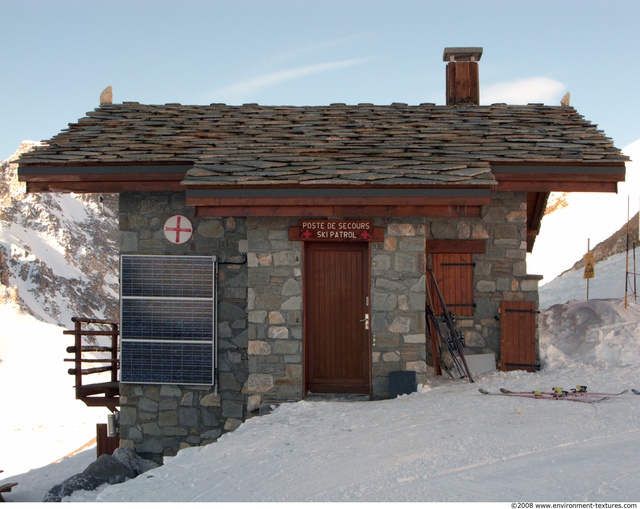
(167, 319)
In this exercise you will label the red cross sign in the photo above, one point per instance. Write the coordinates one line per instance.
(178, 229)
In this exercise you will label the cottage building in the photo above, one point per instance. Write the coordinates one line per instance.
(272, 252)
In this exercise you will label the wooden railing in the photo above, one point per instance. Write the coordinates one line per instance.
(104, 393)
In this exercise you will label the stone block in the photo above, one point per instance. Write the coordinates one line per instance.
(529, 285)
(209, 417)
(128, 416)
(278, 332)
(406, 263)
(253, 402)
(148, 406)
(390, 357)
(167, 404)
(400, 324)
(170, 391)
(128, 242)
(411, 244)
(257, 316)
(286, 347)
(292, 304)
(291, 287)
(259, 383)
(210, 400)
(486, 286)
(188, 416)
(259, 348)
(151, 428)
(381, 262)
(390, 244)
(401, 230)
(419, 339)
(168, 418)
(152, 445)
(275, 317)
(286, 258)
(384, 301)
(232, 408)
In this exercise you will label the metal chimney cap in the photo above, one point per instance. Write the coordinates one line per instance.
(462, 54)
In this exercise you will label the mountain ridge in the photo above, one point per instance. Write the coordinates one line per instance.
(58, 252)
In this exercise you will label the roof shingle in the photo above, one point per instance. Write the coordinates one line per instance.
(329, 145)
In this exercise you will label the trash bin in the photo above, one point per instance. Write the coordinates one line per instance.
(402, 382)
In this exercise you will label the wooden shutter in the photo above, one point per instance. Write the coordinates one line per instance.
(454, 274)
(518, 336)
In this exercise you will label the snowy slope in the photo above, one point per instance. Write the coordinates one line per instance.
(609, 282)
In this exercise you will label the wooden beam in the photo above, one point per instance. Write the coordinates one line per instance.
(97, 171)
(476, 246)
(536, 205)
(104, 187)
(339, 211)
(334, 201)
(558, 185)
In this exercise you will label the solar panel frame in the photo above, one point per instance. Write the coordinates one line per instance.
(168, 319)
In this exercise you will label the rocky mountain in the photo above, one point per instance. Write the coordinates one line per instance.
(58, 252)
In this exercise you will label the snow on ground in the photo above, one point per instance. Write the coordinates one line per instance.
(40, 419)
(445, 443)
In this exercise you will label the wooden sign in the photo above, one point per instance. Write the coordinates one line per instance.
(344, 230)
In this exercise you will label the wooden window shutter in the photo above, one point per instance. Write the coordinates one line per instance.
(454, 274)
(518, 349)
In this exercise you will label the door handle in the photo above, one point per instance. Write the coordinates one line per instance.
(366, 321)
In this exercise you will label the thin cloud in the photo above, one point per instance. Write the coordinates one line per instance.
(529, 90)
(245, 90)
(298, 52)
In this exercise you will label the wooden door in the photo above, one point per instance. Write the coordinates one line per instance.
(518, 349)
(336, 290)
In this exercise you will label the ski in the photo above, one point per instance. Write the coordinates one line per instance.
(577, 399)
(557, 391)
(636, 392)
(448, 358)
(453, 341)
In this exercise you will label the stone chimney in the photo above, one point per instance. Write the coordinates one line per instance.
(463, 85)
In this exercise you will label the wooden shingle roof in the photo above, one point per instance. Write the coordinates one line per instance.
(337, 145)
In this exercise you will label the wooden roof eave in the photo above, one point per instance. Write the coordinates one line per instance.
(360, 201)
(103, 178)
(559, 176)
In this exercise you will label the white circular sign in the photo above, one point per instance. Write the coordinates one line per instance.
(178, 229)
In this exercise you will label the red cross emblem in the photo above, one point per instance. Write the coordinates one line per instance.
(178, 229)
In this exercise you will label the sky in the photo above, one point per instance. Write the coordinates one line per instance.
(57, 56)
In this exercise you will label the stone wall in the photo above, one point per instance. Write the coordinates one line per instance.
(397, 302)
(158, 420)
(260, 329)
(275, 312)
(500, 273)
